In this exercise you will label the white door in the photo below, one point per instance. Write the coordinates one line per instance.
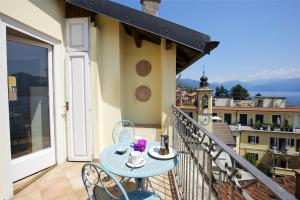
(79, 107)
(79, 127)
(30, 101)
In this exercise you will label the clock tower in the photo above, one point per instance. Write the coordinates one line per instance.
(204, 104)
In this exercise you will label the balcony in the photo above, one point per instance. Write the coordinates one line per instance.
(207, 169)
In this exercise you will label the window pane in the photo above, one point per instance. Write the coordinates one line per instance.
(28, 98)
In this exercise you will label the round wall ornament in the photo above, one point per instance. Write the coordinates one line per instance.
(143, 68)
(143, 93)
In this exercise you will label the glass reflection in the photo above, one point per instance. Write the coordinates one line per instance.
(28, 98)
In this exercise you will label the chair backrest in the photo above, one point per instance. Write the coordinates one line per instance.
(100, 183)
(123, 131)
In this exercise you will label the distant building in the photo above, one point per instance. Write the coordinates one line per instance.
(222, 101)
(276, 151)
(270, 102)
(244, 103)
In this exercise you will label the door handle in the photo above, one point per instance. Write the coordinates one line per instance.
(66, 106)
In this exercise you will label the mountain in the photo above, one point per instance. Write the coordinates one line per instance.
(290, 85)
(277, 85)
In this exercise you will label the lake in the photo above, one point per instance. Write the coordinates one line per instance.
(292, 98)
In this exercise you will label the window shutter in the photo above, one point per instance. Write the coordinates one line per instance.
(249, 139)
(257, 139)
(256, 156)
(77, 30)
(292, 142)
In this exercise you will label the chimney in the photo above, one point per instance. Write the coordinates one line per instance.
(150, 6)
(297, 189)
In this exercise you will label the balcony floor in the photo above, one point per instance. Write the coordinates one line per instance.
(64, 182)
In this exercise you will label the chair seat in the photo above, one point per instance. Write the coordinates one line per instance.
(141, 195)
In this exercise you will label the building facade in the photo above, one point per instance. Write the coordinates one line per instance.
(276, 152)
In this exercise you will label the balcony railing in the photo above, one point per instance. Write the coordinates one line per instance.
(207, 166)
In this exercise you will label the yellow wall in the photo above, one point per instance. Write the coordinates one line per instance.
(117, 80)
(168, 87)
(148, 112)
(46, 16)
(108, 44)
(95, 88)
(264, 155)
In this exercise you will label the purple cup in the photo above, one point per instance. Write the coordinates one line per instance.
(137, 147)
(140, 146)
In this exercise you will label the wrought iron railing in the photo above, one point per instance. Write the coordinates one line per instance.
(209, 169)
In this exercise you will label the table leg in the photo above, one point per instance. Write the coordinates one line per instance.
(140, 184)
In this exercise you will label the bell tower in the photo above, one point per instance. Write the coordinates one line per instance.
(204, 103)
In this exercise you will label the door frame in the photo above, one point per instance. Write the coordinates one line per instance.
(58, 100)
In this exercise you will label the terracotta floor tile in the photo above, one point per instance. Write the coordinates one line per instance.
(73, 171)
(64, 182)
(76, 183)
(81, 194)
(56, 188)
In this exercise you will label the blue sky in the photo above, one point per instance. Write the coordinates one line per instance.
(260, 39)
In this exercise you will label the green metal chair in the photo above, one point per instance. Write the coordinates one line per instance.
(123, 131)
(101, 184)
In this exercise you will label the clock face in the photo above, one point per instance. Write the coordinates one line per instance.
(204, 120)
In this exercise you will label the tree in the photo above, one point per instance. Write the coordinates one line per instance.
(258, 95)
(221, 92)
(250, 158)
(238, 92)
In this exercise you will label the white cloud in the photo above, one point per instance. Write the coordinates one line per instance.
(282, 72)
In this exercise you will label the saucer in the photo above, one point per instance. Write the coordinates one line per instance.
(154, 151)
(141, 164)
(121, 150)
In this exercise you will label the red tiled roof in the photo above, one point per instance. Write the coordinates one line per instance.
(187, 107)
(257, 190)
(192, 94)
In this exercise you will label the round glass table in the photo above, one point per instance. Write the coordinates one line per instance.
(116, 163)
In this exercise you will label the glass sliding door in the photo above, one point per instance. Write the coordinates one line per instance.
(31, 138)
(28, 98)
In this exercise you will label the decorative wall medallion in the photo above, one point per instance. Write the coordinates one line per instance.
(143, 93)
(143, 68)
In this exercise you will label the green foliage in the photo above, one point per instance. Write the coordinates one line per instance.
(258, 124)
(258, 95)
(190, 90)
(250, 159)
(221, 92)
(238, 92)
(263, 169)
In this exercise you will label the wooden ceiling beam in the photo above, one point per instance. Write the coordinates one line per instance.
(182, 54)
(169, 44)
(137, 38)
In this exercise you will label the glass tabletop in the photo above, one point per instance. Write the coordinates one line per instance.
(116, 163)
